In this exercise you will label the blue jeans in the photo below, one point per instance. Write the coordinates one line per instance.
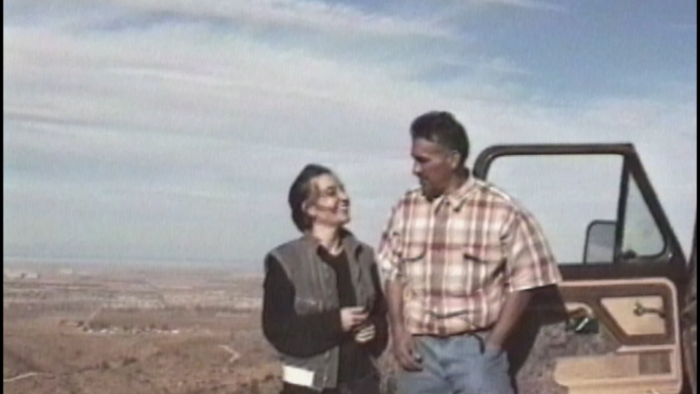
(456, 365)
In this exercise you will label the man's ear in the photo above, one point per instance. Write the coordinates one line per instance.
(454, 160)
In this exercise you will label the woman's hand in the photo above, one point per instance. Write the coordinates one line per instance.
(365, 333)
(352, 317)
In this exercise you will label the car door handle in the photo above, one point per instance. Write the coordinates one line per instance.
(580, 321)
(641, 310)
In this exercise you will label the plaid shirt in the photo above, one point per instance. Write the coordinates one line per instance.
(460, 255)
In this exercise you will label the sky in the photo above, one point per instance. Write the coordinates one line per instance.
(170, 131)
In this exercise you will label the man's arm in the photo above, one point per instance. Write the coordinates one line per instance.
(389, 256)
(389, 263)
(378, 317)
(530, 264)
(404, 347)
(394, 296)
(516, 304)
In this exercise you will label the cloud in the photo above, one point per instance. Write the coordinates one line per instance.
(146, 124)
(316, 16)
(522, 4)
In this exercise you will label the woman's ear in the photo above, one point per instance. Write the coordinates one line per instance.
(308, 210)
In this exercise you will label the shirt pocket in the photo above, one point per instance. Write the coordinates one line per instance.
(414, 243)
(487, 252)
(414, 264)
(485, 263)
(415, 252)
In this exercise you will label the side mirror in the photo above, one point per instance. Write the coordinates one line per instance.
(600, 242)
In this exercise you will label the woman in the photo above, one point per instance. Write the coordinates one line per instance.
(323, 307)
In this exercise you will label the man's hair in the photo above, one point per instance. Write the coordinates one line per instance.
(301, 190)
(443, 129)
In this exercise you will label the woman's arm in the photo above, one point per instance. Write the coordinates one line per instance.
(290, 333)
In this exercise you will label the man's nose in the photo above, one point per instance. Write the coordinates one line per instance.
(417, 169)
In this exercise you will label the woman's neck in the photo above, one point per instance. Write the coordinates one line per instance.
(329, 238)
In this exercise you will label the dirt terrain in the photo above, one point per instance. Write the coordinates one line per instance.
(134, 331)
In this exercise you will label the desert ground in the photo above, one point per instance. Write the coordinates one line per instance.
(131, 330)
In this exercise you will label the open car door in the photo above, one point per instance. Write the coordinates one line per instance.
(690, 320)
(615, 325)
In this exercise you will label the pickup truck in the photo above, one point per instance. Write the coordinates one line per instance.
(624, 321)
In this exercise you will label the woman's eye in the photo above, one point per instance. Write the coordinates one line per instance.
(331, 193)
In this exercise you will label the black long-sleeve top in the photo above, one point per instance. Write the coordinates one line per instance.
(308, 335)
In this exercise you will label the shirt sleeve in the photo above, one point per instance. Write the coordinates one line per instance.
(291, 333)
(530, 262)
(390, 250)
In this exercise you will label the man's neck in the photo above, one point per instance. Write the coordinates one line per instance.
(456, 182)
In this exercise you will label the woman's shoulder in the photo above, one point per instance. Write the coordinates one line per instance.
(284, 255)
(361, 250)
(350, 239)
(286, 247)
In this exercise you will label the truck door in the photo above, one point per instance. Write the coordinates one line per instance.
(614, 325)
(690, 319)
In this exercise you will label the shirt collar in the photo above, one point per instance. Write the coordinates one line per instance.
(456, 198)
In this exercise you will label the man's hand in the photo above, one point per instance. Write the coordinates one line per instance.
(493, 346)
(405, 351)
(514, 307)
(352, 317)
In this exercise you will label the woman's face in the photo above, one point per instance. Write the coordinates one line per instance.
(329, 204)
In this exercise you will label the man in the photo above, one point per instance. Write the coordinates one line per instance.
(460, 259)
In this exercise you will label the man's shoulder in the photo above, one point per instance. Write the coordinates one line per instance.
(500, 196)
(410, 196)
(504, 198)
(494, 192)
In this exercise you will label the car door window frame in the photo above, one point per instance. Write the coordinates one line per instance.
(671, 263)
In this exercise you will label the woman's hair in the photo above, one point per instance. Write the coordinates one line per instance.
(301, 190)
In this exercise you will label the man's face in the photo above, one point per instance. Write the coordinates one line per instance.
(433, 165)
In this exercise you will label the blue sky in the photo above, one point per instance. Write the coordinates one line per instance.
(170, 131)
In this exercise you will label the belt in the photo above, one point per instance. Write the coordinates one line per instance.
(475, 333)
